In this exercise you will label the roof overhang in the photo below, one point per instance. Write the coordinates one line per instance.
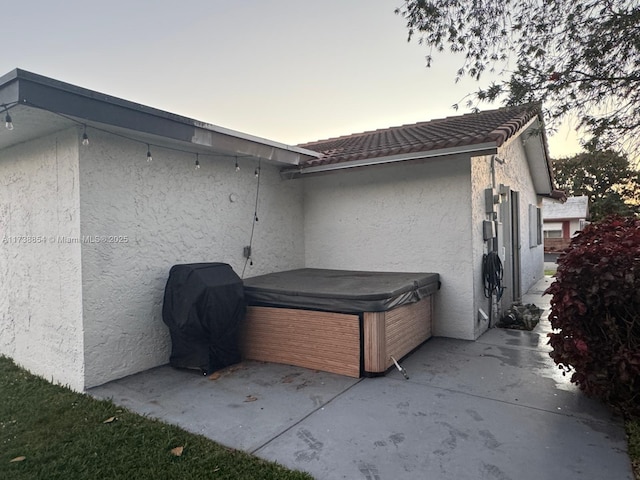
(534, 142)
(527, 127)
(40, 105)
(472, 150)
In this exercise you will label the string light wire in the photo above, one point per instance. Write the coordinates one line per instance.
(85, 141)
(8, 121)
(149, 145)
(253, 224)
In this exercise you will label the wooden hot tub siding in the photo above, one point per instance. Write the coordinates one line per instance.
(346, 344)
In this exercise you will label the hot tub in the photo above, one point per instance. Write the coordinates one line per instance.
(346, 322)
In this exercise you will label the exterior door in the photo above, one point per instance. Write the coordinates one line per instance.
(515, 245)
(509, 246)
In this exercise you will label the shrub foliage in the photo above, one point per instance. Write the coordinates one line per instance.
(596, 308)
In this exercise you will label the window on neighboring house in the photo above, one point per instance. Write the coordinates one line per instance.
(553, 234)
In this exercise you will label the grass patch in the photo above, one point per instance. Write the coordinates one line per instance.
(50, 432)
(549, 273)
(633, 432)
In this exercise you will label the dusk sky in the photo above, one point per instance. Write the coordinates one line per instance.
(287, 70)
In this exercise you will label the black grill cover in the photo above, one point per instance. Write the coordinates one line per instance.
(203, 307)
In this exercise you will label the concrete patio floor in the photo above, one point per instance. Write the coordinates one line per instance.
(497, 408)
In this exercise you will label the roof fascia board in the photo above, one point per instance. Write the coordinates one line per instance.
(80, 103)
(9, 76)
(240, 146)
(542, 174)
(256, 139)
(473, 150)
(9, 88)
(102, 110)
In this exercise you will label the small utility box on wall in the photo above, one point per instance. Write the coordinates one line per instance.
(490, 199)
(488, 230)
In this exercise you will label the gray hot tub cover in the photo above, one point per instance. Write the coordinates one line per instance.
(344, 291)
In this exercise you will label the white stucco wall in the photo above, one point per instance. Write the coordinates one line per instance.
(421, 217)
(170, 213)
(481, 180)
(40, 284)
(512, 171)
(515, 173)
(413, 217)
(574, 227)
(82, 313)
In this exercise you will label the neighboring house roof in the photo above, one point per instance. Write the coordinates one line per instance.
(573, 208)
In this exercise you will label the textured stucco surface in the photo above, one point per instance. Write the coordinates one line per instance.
(85, 307)
(169, 213)
(40, 283)
(512, 170)
(422, 217)
(481, 180)
(515, 173)
(412, 217)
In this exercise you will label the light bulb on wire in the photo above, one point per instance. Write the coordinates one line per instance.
(85, 137)
(85, 141)
(8, 123)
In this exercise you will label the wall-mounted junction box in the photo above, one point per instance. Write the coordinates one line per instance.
(488, 199)
(488, 230)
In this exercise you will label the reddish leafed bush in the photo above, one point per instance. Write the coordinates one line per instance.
(596, 308)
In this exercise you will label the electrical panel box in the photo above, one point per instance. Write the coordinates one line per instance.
(488, 230)
(488, 199)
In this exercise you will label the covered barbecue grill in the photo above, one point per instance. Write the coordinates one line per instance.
(203, 307)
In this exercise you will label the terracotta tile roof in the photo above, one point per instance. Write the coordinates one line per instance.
(491, 126)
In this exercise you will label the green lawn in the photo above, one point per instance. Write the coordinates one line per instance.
(49, 432)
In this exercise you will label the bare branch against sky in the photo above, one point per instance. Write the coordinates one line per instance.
(288, 70)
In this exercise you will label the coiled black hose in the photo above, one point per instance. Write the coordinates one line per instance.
(492, 275)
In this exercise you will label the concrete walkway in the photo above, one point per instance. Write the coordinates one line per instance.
(497, 408)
